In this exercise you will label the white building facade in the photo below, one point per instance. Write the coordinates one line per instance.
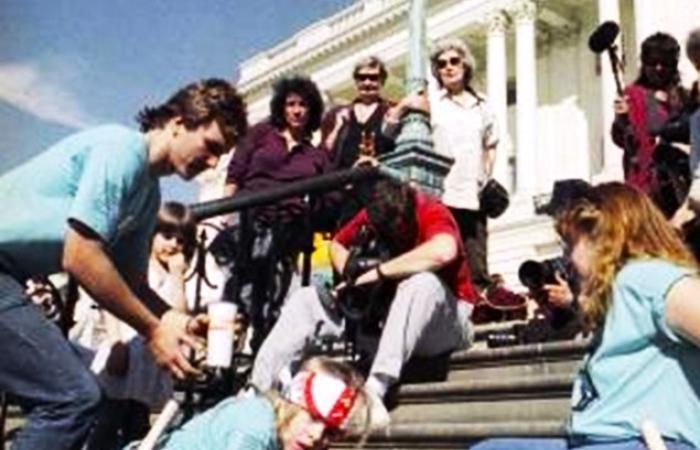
(552, 96)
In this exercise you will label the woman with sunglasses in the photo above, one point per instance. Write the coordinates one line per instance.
(132, 382)
(648, 105)
(324, 401)
(354, 134)
(640, 294)
(464, 128)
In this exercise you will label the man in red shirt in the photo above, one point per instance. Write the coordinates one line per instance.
(429, 313)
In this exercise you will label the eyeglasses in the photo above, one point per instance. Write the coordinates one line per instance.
(374, 77)
(454, 61)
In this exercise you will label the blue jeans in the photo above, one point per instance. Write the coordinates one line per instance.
(562, 444)
(44, 375)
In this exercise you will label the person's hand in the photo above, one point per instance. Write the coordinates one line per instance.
(197, 326)
(416, 101)
(342, 117)
(335, 292)
(168, 342)
(559, 294)
(177, 265)
(364, 160)
(621, 105)
(683, 215)
(117, 363)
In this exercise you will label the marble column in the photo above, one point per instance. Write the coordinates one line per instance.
(612, 155)
(497, 80)
(646, 23)
(524, 12)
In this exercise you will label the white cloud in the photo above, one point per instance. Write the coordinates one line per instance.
(23, 86)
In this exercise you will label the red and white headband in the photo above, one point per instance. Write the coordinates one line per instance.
(325, 397)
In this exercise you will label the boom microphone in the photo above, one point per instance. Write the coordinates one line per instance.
(603, 40)
(603, 37)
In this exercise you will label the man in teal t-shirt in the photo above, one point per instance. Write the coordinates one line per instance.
(87, 206)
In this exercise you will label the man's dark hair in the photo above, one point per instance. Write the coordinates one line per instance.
(307, 90)
(667, 48)
(392, 214)
(198, 104)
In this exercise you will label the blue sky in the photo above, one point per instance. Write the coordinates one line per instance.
(67, 64)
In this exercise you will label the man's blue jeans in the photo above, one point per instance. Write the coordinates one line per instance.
(562, 444)
(45, 376)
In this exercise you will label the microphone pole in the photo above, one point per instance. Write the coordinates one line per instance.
(603, 40)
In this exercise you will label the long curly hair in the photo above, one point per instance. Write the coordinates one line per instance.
(621, 223)
(198, 104)
(306, 89)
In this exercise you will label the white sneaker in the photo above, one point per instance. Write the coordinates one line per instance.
(378, 415)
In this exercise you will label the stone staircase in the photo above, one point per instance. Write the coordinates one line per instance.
(512, 391)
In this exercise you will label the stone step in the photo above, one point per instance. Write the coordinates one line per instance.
(431, 435)
(550, 351)
(507, 362)
(528, 398)
(535, 368)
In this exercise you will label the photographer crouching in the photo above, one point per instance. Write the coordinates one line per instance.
(429, 313)
(552, 283)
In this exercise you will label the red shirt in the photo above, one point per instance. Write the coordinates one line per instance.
(433, 219)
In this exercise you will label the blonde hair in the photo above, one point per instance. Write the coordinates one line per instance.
(359, 416)
(621, 223)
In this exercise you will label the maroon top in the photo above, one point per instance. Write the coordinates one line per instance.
(262, 161)
(433, 218)
(636, 133)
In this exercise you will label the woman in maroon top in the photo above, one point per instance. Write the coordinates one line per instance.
(648, 104)
(275, 152)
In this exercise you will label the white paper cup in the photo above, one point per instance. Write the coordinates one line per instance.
(220, 333)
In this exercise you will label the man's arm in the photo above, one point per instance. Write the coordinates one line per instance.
(430, 256)
(85, 259)
(330, 130)
(339, 256)
(414, 101)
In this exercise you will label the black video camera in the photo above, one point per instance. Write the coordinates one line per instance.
(535, 274)
(366, 303)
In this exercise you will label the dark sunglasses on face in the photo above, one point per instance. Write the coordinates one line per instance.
(367, 77)
(454, 61)
(665, 63)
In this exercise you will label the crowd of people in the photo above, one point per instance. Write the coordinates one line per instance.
(99, 218)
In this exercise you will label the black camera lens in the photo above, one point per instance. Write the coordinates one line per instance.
(532, 274)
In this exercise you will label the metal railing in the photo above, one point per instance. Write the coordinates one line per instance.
(311, 186)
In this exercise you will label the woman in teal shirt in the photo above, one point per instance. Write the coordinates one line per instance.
(641, 293)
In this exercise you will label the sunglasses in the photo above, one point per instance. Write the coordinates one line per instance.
(454, 61)
(367, 77)
(666, 63)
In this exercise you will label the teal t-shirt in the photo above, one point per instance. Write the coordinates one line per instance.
(98, 177)
(640, 368)
(233, 424)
